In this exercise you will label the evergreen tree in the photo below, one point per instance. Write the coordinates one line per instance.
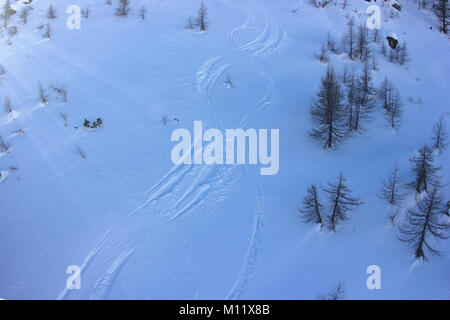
(327, 111)
(340, 201)
(311, 211)
(440, 135)
(424, 170)
(391, 187)
(425, 223)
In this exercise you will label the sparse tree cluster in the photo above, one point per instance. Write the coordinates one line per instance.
(426, 223)
(342, 109)
(356, 42)
(398, 55)
(202, 19)
(340, 203)
(390, 99)
(441, 9)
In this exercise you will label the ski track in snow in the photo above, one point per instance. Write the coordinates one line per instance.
(269, 40)
(208, 74)
(255, 243)
(104, 285)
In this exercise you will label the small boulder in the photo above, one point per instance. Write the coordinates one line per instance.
(397, 6)
(392, 42)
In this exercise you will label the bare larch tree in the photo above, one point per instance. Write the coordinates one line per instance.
(440, 135)
(327, 111)
(341, 201)
(391, 187)
(311, 210)
(424, 223)
(424, 170)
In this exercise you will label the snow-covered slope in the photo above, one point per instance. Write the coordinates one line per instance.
(141, 227)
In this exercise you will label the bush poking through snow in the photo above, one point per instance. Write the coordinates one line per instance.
(7, 12)
(47, 31)
(164, 121)
(63, 116)
(4, 148)
(42, 94)
(51, 13)
(8, 106)
(228, 82)
(24, 13)
(61, 91)
(123, 8)
(85, 12)
(189, 24)
(96, 124)
(81, 152)
(143, 12)
(336, 293)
